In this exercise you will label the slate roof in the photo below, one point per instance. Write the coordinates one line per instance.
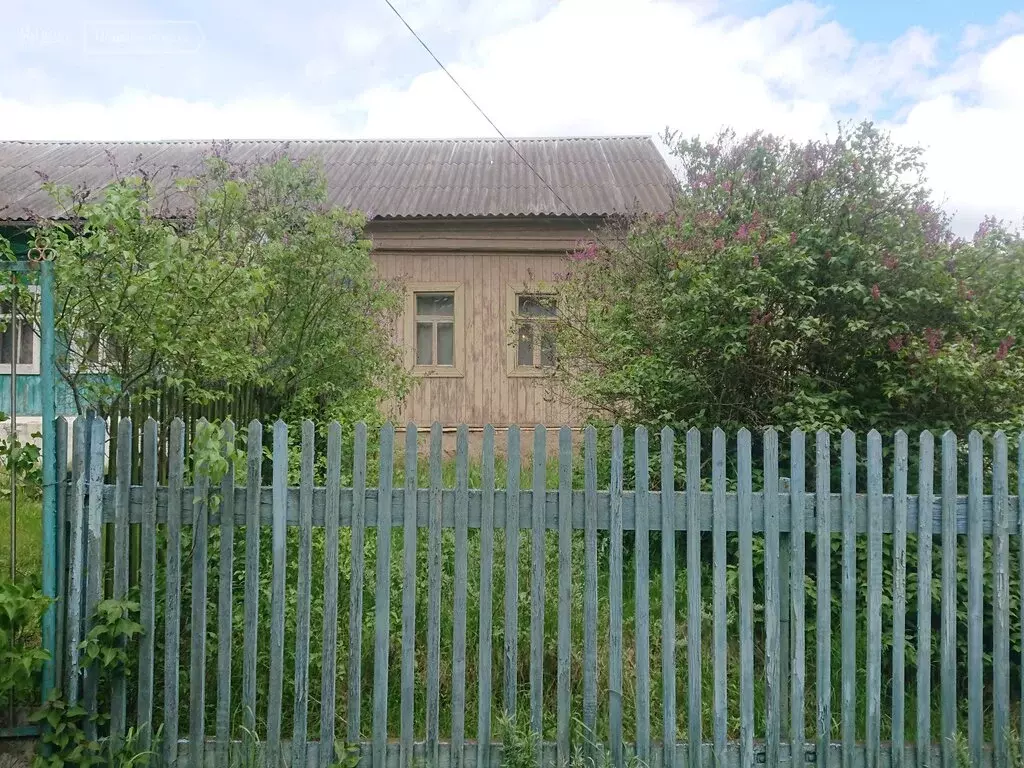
(387, 179)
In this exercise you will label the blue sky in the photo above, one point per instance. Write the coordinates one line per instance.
(945, 74)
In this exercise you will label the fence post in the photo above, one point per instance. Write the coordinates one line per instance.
(785, 628)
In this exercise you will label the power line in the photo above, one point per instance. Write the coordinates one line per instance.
(493, 125)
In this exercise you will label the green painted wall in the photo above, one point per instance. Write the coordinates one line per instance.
(29, 392)
(29, 399)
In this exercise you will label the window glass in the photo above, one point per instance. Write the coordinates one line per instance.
(535, 342)
(435, 305)
(537, 305)
(424, 343)
(524, 348)
(445, 344)
(26, 339)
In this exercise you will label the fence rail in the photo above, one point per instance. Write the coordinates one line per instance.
(582, 578)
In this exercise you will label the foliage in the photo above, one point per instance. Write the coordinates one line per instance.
(812, 286)
(240, 275)
(22, 606)
(66, 739)
(521, 744)
(21, 461)
(114, 625)
(213, 456)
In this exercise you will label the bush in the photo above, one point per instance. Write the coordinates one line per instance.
(799, 286)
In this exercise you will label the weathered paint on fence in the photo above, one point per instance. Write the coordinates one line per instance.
(893, 522)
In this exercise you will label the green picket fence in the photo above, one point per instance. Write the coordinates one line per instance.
(573, 602)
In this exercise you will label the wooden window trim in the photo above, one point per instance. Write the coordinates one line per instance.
(512, 294)
(31, 368)
(456, 371)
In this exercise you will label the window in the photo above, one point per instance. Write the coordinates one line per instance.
(27, 342)
(533, 344)
(434, 329)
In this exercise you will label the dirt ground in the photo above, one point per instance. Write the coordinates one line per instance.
(16, 753)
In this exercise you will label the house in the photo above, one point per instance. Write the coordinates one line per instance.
(477, 231)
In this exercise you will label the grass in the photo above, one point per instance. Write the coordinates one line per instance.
(29, 532)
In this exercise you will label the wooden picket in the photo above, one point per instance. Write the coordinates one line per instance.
(614, 532)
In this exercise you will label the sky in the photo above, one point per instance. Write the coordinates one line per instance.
(945, 74)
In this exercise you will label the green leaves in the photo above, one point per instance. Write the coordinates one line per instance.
(22, 606)
(810, 286)
(114, 625)
(64, 740)
(255, 280)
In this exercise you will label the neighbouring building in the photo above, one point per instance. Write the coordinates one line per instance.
(476, 230)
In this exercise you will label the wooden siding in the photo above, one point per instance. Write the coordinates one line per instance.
(489, 260)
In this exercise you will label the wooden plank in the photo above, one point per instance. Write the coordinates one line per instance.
(484, 696)
(172, 605)
(200, 514)
(773, 640)
(62, 480)
(615, 603)
(975, 608)
(93, 558)
(694, 604)
(899, 598)
(642, 597)
(300, 718)
(537, 586)
(355, 605)
(718, 543)
(873, 695)
(744, 485)
(250, 627)
(147, 587)
(925, 490)
(434, 596)
(1001, 604)
(798, 588)
(668, 595)
(823, 579)
(947, 628)
(461, 574)
(76, 558)
(512, 523)
(118, 697)
(1020, 555)
(329, 662)
(225, 601)
(278, 547)
(848, 691)
(408, 597)
(564, 652)
(382, 600)
(550, 504)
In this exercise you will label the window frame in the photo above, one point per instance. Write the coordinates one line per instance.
(512, 296)
(458, 369)
(31, 368)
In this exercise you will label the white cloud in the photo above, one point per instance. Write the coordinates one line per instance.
(972, 138)
(136, 115)
(638, 66)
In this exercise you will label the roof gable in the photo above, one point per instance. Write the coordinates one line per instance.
(387, 179)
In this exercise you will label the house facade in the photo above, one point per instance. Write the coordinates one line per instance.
(476, 232)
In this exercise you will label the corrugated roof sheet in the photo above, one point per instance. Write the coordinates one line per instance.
(595, 176)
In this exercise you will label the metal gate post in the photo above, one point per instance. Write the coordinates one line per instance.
(50, 564)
